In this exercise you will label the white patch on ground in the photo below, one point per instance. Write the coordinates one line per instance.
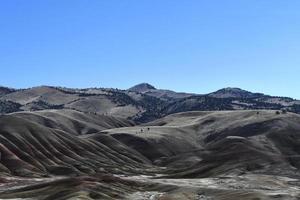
(151, 195)
(20, 182)
(268, 185)
(18, 199)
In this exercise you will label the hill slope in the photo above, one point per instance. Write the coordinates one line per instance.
(205, 144)
(45, 143)
(141, 103)
(66, 154)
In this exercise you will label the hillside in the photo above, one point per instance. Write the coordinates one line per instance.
(5, 90)
(141, 103)
(211, 140)
(150, 90)
(65, 154)
(234, 93)
(147, 143)
(50, 142)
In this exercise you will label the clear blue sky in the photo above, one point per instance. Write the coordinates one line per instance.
(194, 45)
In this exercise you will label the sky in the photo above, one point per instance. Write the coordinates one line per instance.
(193, 46)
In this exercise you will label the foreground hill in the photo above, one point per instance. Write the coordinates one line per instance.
(205, 144)
(67, 154)
(50, 142)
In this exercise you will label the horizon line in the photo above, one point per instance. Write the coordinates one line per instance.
(116, 88)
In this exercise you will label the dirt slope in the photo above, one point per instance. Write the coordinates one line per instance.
(45, 143)
(205, 144)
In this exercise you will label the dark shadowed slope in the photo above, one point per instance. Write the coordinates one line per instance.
(5, 90)
(9, 107)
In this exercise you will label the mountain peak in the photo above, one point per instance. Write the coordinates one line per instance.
(232, 89)
(142, 87)
(234, 92)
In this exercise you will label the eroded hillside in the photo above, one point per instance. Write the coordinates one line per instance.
(64, 154)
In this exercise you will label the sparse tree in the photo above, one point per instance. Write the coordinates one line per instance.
(283, 111)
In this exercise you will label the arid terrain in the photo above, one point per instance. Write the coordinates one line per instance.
(148, 144)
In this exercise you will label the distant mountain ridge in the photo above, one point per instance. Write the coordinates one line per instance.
(141, 103)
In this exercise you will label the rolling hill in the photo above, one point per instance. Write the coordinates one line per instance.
(62, 142)
(147, 143)
(65, 154)
(141, 103)
(212, 142)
